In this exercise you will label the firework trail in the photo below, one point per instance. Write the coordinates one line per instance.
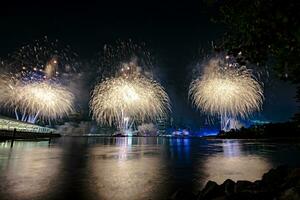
(228, 90)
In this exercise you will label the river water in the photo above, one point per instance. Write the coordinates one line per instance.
(97, 168)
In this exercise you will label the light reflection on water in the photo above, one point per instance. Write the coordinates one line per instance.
(28, 169)
(235, 164)
(132, 176)
(131, 168)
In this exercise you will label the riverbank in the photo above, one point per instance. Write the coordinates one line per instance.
(281, 183)
(15, 135)
(265, 131)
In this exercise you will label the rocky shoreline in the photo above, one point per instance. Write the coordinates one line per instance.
(282, 183)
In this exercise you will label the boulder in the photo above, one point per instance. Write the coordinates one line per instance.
(229, 187)
(290, 194)
(182, 194)
(281, 183)
(242, 196)
(273, 179)
(292, 179)
(211, 191)
(244, 186)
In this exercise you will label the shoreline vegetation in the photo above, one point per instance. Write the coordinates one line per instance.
(266, 131)
(282, 183)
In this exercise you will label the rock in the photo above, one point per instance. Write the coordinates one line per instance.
(281, 183)
(242, 196)
(211, 191)
(293, 179)
(229, 186)
(257, 184)
(274, 178)
(220, 198)
(290, 194)
(182, 194)
(244, 186)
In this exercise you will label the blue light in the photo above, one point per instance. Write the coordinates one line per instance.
(207, 132)
(180, 132)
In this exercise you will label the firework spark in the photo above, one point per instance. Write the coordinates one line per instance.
(8, 86)
(43, 100)
(123, 100)
(227, 90)
(43, 60)
(121, 53)
(36, 79)
(35, 100)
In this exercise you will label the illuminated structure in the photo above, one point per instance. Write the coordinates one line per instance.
(7, 124)
(161, 124)
(227, 90)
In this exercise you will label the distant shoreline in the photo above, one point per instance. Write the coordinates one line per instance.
(36, 136)
(190, 137)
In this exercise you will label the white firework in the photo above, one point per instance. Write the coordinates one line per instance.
(123, 100)
(228, 90)
(43, 100)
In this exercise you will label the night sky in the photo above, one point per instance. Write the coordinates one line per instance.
(178, 34)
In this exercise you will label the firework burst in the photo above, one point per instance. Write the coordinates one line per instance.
(123, 100)
(228, 90)
(43, 100)
(8, 90)
(126, 92)
(38, 80)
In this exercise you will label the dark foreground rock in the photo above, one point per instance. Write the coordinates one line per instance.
(282, 183)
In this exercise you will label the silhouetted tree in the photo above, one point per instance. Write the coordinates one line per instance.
(262, 30)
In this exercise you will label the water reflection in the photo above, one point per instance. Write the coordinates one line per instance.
(128, 172)
(30, 170)
(96, 168)
(180, 149)
(231, 148)
(235, 163)
(124, 145)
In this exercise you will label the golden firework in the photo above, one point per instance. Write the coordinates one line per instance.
(123, 99)
(227, 90)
